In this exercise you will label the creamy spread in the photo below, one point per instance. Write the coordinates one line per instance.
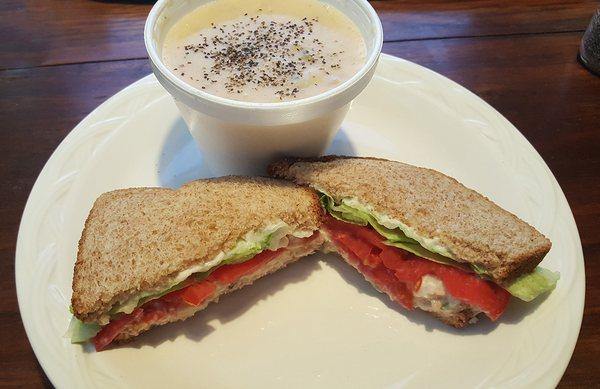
(431, 296)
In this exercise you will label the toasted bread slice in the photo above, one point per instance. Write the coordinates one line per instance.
(470, 226)
(136, 240)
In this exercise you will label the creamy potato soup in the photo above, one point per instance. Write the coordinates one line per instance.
(264, 51)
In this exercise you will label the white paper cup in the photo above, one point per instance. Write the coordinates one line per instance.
(238, 137)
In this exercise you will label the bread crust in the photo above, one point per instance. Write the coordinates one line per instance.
(139, 239)
(472, 227)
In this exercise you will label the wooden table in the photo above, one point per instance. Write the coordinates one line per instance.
(59, 59)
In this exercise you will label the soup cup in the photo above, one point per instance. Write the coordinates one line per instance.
(238, 137)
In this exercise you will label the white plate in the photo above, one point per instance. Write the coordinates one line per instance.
(316, 323)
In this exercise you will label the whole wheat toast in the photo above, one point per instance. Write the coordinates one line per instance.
(473, 228)
(139, 239)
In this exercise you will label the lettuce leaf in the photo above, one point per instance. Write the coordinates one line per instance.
(273, 237)
(420, 251)
(80, 332)
(141, 298)
(527, 287)
(245, 250)
(343, 212)
(252, 244)
(347, 213)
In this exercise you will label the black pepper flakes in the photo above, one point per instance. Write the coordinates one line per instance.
(254, 52)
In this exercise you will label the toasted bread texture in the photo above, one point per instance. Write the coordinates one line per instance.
(139, 239)
(435, 206)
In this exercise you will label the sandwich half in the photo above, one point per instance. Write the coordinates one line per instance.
(423, 238)
(150, 256)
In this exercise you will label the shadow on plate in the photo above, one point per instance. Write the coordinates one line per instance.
(181, 160)
(341, 144)
(514, 314)
(230, 306)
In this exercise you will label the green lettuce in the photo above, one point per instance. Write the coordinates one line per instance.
(245, 249)
(395, 237)
(530, 285)
(139, 299)
(527, 287)
(240, 253)
(80, 332)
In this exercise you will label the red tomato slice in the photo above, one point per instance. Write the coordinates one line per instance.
(193, 295)
(398, 291)
(398, 272)
(197, 294)
(476, 291)
(379, 275)
(366, 233)
(157, 311)
(109, 332)
(368, 254)
(228, 274)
